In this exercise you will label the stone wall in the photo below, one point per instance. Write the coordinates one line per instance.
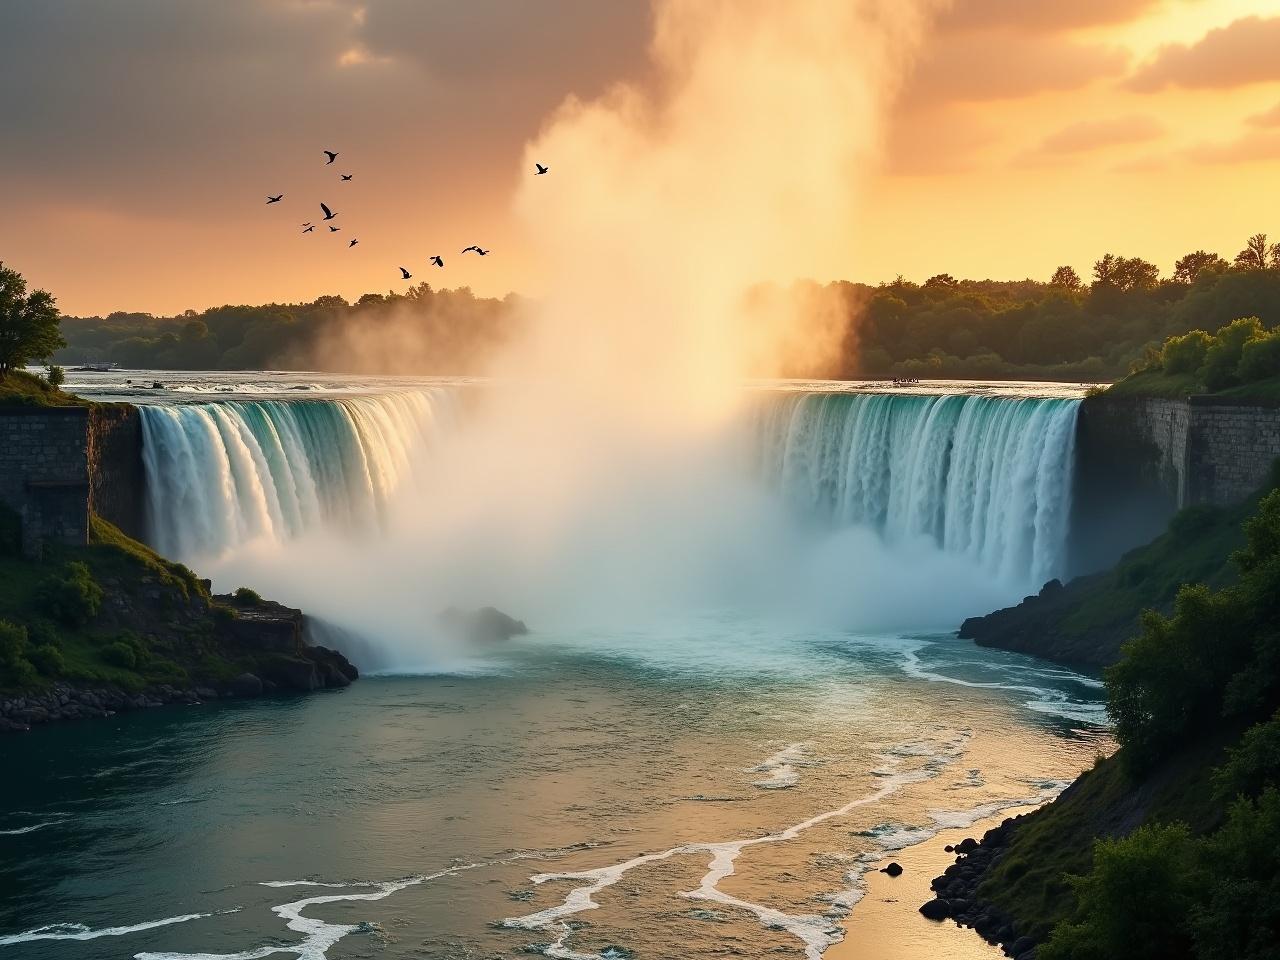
(44, 473)
(117, 483)
(1140, 460)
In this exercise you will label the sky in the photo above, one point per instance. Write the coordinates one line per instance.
(142, 137)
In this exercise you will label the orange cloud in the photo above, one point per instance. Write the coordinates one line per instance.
(994, 66)
(1045, 15)
(1096, 134)
(1268, 118)
(1256, 147)
(1242, 53)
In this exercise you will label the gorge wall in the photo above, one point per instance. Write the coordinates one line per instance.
(1141, 459)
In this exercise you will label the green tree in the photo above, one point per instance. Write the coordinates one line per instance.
(1188, 268)
(28, 323)
(1185, 354)
(1257, 253)
(1222, 360)
(1067, 278)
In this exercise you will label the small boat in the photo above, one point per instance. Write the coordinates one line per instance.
(95, 367)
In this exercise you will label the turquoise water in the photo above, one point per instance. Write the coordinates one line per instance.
(413, 811)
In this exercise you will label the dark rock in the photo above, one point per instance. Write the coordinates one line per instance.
(336, 661)
(1021, 945)
(294, 673)
(246, 685)
(949, 848)
(936, 909)
(967, 845)
(206, 693)
(893, 870)
(485, 625)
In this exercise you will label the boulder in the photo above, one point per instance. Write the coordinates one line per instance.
(967, 845)
(246, 685)
(937, 909)
(336, 663)
(893, 869)
(485, 625)
(294, 673)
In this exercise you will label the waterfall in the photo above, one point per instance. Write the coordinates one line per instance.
(986, 478)
(222, 474)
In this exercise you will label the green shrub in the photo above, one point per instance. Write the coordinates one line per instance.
(1134, 902)
(120, 654)
(15, 669)
(1254, 763)
(1221, 368)
(247, 597)
(48, 660)
(1260, 358)
(223, 614)
(72, 596)
(1185, 354)
(42, 633)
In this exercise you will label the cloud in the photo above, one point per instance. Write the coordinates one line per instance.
(997, 66)
(1242, 53)
(1261, 146)
(1042, 15)
(1087, 135)
(1268, 118)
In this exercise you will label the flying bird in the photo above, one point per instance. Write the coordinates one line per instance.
(276, 199)
(482, 252)
(438, 261)
(328, 214)
(347, 176)
(307, 224)
(333, 229)
(332, 155)
(405, 274)
(352, 244)
(308, 229)
(541, 169)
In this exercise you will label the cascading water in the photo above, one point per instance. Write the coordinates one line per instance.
(222, 474)
(988, 478)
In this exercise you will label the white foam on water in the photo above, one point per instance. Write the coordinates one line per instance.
(781, 768)
(32, 828)
(78, 931)
(815, 932)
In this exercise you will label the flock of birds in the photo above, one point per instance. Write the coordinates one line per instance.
(330, 214)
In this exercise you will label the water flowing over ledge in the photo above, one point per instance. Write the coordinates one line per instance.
(221, 474)
(985, 477)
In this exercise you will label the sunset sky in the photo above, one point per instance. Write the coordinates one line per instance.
(142, 138)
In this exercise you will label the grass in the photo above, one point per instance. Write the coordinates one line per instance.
(1157, 383)
(22, 389)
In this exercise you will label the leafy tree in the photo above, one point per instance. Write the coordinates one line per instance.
(1260, 357)
(1258, 254)
(72, 596)
(28, 323)
(1185, 354)
(1189, 267)
(1067, 278)
(1125, 273)
(55, 376)
(1222, 360)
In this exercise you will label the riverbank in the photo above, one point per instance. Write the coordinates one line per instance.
(887, 925)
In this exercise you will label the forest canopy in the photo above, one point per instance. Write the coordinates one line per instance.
(1063, 327)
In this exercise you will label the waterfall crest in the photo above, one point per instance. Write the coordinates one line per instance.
(987, 478)
(222, 474)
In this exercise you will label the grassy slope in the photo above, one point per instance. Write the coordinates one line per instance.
(1157, 383)
(1030, 882)
(23, 389)
(159, 605)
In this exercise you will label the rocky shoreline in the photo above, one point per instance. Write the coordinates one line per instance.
(271, 634)
(956, 892)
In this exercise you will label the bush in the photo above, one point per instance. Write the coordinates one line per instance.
(248, 598)
(1260, 358)
(1254, 763)
(1185, 354)
(42, 633)
(55, 376)
(72, 597)
(48, 660)
(120, 654)
(15, 669)
(1221, 368)
(1134, 902)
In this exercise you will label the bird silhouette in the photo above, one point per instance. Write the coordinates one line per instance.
(405, 274)
(309, 229)
(347, 176)
(352, 244)
(333, 229)
(307, 224)
(541, 169)
(438, 261)
(328, 214)
(479, 250)
(332, 155)
(276, 199)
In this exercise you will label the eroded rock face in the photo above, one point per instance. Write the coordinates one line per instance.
(486, 625)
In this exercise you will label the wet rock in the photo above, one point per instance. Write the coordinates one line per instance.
(936, 909)
(967, 845)
(893, 869)
(294, 673)
(246, 685)
(485, 625)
